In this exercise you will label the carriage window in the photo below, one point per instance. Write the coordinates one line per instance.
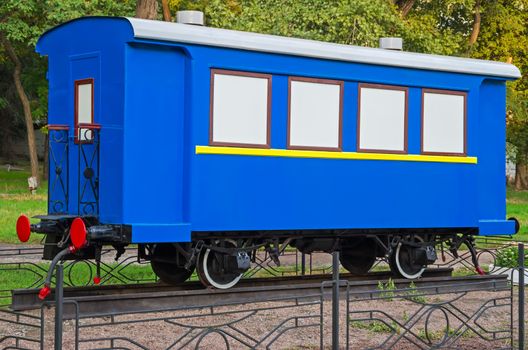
(83, 108)
(240, 109)
(315, 114)
(382, 119)
(443, 122)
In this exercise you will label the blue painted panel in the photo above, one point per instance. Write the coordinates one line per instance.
(414, 122)
(83, 66)
(350, 108)
(161, 233)
(279, 114)
(491, 135)
(154, 141)
(152, 179)
(281, 193)
(491, 227)
(71, 50)
(277, 193)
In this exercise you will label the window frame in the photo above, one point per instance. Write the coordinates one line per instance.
(443, 92)
(341, 85)
(78, 82)
(211, 105)
(405, 89)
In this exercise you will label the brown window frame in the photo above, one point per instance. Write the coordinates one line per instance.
(76, 108)
(211, 104)
(443, 92)
(341, 84)
(405, 122)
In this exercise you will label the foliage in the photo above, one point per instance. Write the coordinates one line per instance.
(504, 34)
(415, 295)
(508, 257)
(387, 289)
(376, 326)
(517, 122)
(360, 22)
(23, 22)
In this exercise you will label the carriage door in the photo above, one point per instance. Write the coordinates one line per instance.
(85, 138)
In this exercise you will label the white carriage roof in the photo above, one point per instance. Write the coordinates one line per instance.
(191, 34)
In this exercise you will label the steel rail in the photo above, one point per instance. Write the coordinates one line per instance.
(24, 299)
(113, 300)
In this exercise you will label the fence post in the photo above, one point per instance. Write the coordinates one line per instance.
(303, 264)
(521, 296)
(335, 300)
(59, 305)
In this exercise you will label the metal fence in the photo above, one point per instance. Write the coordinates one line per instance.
(478, 315)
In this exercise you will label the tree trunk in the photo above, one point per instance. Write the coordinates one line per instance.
(166, 10)
(24, 100)
(476, 25)
(405, 6)
(45, 166)
(147, 9)
(521, 176)
(6, 140)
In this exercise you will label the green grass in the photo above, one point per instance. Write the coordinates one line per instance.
(15, 199)
(517, 206)
(26, 275)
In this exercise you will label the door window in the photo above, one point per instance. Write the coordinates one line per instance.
(84, 103)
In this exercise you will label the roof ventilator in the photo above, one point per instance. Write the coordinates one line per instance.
(190, 17)
(395, 44)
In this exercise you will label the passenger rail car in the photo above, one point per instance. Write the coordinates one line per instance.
(202, 145)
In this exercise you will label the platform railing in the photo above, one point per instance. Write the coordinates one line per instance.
(58, 184)
(88, 164)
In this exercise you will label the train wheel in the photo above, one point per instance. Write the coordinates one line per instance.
(167, 263)
(212, 270)
(402, 264)
(358, 258)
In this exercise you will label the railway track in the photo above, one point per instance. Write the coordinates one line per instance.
(110, 300)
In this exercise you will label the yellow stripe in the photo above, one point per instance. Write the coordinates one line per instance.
(261, 152)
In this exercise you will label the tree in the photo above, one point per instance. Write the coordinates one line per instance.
(405, 6)
(147, 9)
(15, 27)
(21, 23)
(504, 37)
(517, 135)
(359, 22)
(492, 30)
(166, 10)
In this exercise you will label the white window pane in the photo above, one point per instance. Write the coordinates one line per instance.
(382, 119)
(84, 109)
(314, 114)
(443, 123)
(240, 109)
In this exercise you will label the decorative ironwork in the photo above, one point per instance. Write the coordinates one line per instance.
(213, 326)
(58, 184)
(388, 317)
(426, 318)
(88, 174)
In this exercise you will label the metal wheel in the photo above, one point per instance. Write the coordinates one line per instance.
(401, 261)
(167, 263)
(212, 271)
(358, 256)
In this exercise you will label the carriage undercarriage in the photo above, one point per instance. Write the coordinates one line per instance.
(221, 258)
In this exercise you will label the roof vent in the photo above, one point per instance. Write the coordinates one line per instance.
(190, 17)
(391, 43)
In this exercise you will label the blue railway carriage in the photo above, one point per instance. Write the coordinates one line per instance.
(202, 145)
